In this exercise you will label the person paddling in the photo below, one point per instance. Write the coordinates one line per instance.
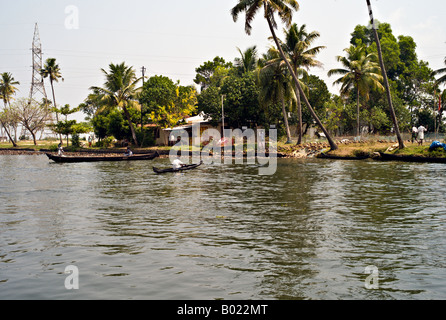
(128, 152)
(60, 150)
(177, 164)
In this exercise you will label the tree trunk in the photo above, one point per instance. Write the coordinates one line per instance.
(358, 129)
(55, 106)
(299, 117)
(333, 145)
(132, 129)
(386, 81)
(7, 132)
(285, 119)
(34, 137)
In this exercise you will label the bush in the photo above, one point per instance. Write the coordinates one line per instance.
(105, 143)
(53, 147)
(75, 140)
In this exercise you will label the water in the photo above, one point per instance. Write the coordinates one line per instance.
(222, 231)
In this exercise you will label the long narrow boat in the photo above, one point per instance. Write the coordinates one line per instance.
(184, 168)
(409, 158)
(134, 157)
(323, 155)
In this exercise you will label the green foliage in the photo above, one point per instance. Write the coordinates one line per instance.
(206, 71)
(167, 103)
(411, 80)
(105, 143)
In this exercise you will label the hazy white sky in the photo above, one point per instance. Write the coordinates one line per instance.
(172, 38)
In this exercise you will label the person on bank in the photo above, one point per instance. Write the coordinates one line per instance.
(421, 131)
(128, 152)
(414, 134)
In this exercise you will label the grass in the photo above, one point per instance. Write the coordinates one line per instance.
(368, 148)
(416, 150)
(360, 148)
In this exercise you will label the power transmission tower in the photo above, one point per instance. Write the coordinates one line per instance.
(37, 91)
(37, 85)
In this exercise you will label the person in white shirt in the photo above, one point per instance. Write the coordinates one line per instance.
(177, 164)
(421, 131)
(414, 134)
(60, 150)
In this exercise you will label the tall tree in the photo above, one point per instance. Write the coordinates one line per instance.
(284, 9)
(51, 70)
(32, 115)
(120, 90)
(206, 71)
(276, 85)
(386, 81)
(361, 73)
(302, 58)
(7, 90)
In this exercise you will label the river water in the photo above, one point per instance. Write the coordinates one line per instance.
(314, 230)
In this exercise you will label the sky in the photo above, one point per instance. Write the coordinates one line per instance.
(172, 38)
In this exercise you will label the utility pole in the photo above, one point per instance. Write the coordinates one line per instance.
(143, 71)
(222, 117)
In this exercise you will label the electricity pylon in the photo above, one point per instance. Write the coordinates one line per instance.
(37, 86)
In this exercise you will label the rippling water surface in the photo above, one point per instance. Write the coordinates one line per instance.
(222, 231)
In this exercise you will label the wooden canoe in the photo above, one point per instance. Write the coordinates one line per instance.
(408, 158)
(184, 168)
(323, 155)
(133, 157)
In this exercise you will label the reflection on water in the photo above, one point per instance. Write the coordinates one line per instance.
(221, 231)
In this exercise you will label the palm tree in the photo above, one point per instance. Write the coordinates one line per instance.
(51, 70)
(276, 84)
(361, 73)
(302, 58)
(7, 90)
(385, 80)
(442, 79)
(285, 9)
(247, 61)
(120, 90)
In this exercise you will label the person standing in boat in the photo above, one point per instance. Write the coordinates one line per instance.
(421, 131)
(128, 152)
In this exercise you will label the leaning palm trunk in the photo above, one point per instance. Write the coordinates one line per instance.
(386, 81)
(55, 107)
(333, 145)
(7, 132)
(285, 119)
(299, 117)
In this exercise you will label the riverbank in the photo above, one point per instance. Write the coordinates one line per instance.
(347, 149)
(375, 149)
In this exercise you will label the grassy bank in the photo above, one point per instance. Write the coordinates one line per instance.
(347, 149)
(370, 148)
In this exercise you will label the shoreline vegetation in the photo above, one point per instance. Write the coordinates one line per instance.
(347, 149)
